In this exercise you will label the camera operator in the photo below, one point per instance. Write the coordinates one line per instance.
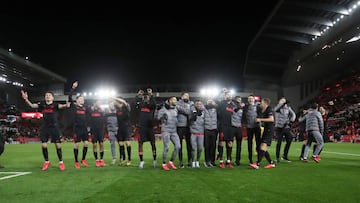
(5, 129)
(284, 115)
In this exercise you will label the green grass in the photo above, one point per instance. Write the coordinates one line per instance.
(335, 179)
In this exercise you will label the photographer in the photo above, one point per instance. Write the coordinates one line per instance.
(6, 130)
(284, 115)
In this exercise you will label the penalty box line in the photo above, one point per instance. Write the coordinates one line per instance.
(13, 174)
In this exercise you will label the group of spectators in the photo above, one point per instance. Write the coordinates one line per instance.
(341, 100)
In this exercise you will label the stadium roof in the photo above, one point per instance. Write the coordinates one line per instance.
(303, 40)
(15, 69)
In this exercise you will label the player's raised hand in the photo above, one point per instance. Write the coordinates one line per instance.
(24, 95)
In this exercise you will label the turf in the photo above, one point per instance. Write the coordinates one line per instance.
(334, 179)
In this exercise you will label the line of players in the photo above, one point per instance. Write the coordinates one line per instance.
(83, 115)
(198, 124)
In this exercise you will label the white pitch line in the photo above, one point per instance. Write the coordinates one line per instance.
(12, 176)
(341, 153)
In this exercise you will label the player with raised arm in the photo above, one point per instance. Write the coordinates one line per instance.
(50, 128)
(123, 135)
(80, 126)
(145, 106)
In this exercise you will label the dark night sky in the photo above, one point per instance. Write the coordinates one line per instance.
(104, 45)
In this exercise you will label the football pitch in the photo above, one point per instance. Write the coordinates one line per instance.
(335, 179)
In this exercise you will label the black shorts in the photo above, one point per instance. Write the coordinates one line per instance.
(227, 134)
(50, 131)
(237, 132)
(183, 132)
(267, 136)
(123, 133)
(98, 134)
(80, 134)
(146, 134)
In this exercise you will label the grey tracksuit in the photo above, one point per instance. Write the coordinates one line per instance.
(236, 118)
(283, 116)
(315, 128)
(197, 133)
(183, 127)
(210, 118)
(112, 128)
(314, 121)
(250, 115)
(210, 134)
(184, 114)
(168, 116)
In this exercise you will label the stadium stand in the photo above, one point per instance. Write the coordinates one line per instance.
(341, 99)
